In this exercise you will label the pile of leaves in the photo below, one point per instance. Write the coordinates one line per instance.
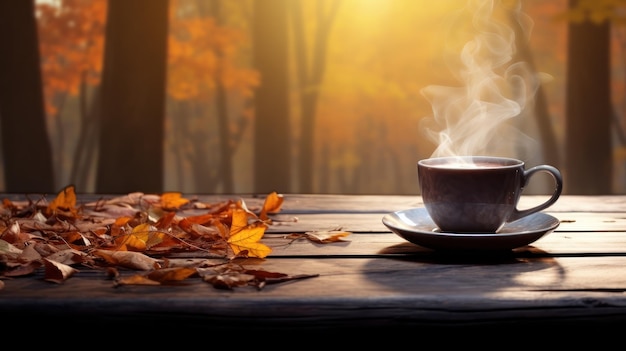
(136, 232)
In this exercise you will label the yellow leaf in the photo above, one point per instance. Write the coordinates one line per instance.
(147, 234)
(239, 221)
(130, 242)
(247, 239)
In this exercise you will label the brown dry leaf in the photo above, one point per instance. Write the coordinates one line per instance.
(263, 278)
(234, 275)
(57, 272)
(226, 276)
(68, 256)
(6, 249)
(325, 237)
(30, 254)
(129, 259)
(21, 270)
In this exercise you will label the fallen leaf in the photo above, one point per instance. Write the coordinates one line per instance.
(324, 237)
(173, 200)
(246, 236)
(9, 250)
(174, 274)
(272, 204)
(65, 200)
(136, 279)
(129, 259)
(127, 231)
(57, 272)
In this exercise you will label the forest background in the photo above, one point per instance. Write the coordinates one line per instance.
(306, 96)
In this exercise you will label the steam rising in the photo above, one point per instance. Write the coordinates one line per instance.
(470, 119)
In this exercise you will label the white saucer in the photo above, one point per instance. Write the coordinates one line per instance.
(416, 226)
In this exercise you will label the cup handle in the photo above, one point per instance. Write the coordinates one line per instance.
(558, 180)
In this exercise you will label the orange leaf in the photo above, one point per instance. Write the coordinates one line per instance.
(65, 200)
(173, 274)
(173, 200)
(272, 204)
(136, 279)
(130, 242)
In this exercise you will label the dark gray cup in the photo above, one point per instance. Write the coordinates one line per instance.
(478, 194)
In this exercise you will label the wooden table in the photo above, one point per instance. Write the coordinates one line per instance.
(574, 277)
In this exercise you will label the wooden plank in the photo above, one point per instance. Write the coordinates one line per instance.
(360, 244)
(364, 291)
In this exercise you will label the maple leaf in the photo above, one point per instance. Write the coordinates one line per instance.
(245, 237)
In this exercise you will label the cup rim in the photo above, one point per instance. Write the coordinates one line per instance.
(499, 161)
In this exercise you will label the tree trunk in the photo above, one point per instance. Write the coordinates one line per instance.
(133, 97)
(310, 75)
(25, 142)
(272, 132)
(588, 162)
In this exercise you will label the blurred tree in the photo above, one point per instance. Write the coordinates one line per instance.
(72, 35)
(133, 97)
(25, 143)
(310, 68)
(588, 146)
(206, 81)
(272, 132)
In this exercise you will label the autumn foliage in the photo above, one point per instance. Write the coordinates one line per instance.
(136, 232)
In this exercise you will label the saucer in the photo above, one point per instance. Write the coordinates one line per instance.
(416, 226)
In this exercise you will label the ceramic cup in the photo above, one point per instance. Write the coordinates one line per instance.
(478, 194)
